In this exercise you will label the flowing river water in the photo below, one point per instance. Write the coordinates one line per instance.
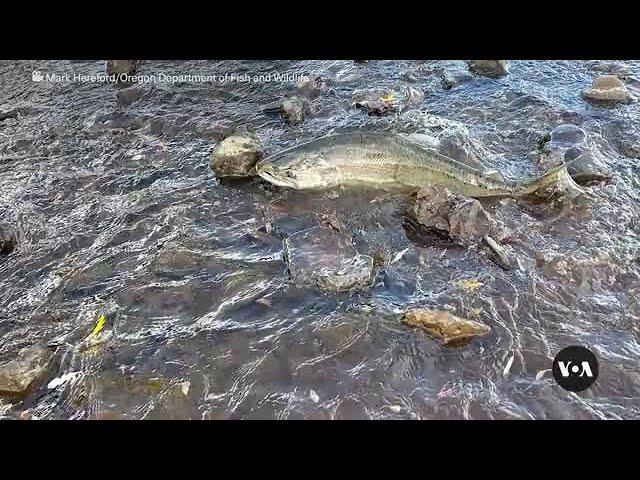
(116, 213)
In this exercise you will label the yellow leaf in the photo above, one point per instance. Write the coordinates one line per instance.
(99, 326)
(390, 97)
(469, 284)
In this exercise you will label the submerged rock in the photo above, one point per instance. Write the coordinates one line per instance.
(413, 95)
(8, 240)
(451, 329)
(608, 88)
(464, 219)
(376, 107)
(630, 149)
(313, 87)
(8, 113)
(569, 143)
(16, 376)
(127, 96)
(459, 146)
(453, 75)
(219, 130)
(489, 68)
(236, 156)
(322, 257)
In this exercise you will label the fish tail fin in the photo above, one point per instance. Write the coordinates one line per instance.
(554, 176)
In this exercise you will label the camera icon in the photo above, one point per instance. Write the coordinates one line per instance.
(37, 76)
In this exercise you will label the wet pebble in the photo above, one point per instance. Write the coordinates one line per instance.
(236, 156)
(489, 68)
(322, 257)
(608, 88)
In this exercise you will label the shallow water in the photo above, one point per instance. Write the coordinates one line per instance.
(117, 213)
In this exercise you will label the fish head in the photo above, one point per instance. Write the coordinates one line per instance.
(298, 170)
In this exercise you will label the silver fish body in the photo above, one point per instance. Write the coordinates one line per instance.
(384, 161)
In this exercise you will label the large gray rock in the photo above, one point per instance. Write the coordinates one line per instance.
(464, 219)
(608, 88)
(236, 156)
(489, 68)
(327, 259)
(16, 376)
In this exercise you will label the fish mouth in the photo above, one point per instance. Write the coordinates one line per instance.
(271, 178)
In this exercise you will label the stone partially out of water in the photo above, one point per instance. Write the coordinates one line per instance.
(294, 110)
(376, 103)
(608, 88)
(464, 219)
(376, 107)
(16, 376)
(312, 87)
(569, 144)
(322, 257)
(489, 68)
(119, 67)
(451, 329)
(236, 156)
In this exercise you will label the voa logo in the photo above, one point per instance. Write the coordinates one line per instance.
(575, 368)
(567, 369)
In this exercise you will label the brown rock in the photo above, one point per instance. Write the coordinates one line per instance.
(489, 68)
(451, 329)
(16, 376)
(608, 88)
